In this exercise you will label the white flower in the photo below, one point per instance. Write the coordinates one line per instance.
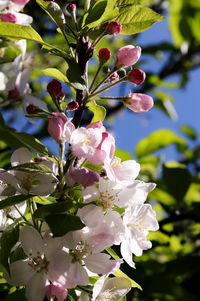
(138, 221)
(111, 289)
(46, 262)
(121, 194)
(3, 81)
(27, 182)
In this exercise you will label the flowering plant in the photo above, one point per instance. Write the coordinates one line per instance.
(61, 216)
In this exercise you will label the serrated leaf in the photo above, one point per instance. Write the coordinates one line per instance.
(98, 111)
(157, 140)
(99, 12)
(54, 11)
(17, 31)
(32, 167)
(55, 208)
(61, 224)
(55, 73)
(9, 238)
(14, 200)
(136, 18)
(16, 139)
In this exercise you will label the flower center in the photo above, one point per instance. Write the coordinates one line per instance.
(79, 252)
(138, 224)
(27, 181)
(116, 163)
(86, 141)
(108, 198)
(39, 263)
(109, 294)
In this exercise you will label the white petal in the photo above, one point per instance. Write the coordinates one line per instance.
(35, 288)
(31, 241)
(90, 194)
(3, 81)
(90, 215)
(116, 288)
(20, 156)
(78, 274)
(127, 254)
(20, 272)
(99, 263)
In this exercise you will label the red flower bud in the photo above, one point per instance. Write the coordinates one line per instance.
(71, 8)
(136, 76)
(13, 94)
(73, 105)
(54, 87)
(114, 27)
(104, 55)
(114, 77)
(31, 109)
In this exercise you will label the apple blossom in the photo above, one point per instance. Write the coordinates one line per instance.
(138, 102)
(127, 56)
(46, 261)
(60, 127)
(138, 221)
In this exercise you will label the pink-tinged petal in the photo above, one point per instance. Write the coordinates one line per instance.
(90, 215)
(139, 103)
(100, 238)
(31, 241)
(127, 254)
(20, 273)
(127, 56)
(56, 290)
(100, 263)
(52, 244)
(78, 274)
(35, 288)
(20, 156)
(97, 157)
(72, 238)
(125, 171)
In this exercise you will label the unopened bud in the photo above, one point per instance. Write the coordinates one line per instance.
(71, 8)
(114, 77)
(20, 2)
(136, 76)
(127, 56)
(13, 94)
(104, 55)
(114, 27)
(73, 105)
(54, 87)
(11, 18)
(31, 109)
(139, 102)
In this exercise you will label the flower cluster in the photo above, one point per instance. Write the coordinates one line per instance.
(69, 211)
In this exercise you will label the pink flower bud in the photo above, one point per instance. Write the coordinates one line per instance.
(20, 2)
(127, 56)
(104, 55)
(60, 127)
(31, 109)
(136, 76)
(56, 290)
(94, 125)
(139, 103)
(84, 176)
(54, 87)
(13, 94)
(114, 77)
(114, 27)
(71, 8)
(9, 18)
(73, 105)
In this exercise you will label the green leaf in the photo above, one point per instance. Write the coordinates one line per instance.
(16, 139)
(158, 140)
(17, 295)
(99, 12)
(55, 208)
(112, 253)
(54, 11)
(55, 73)
(60, 224)
(127, 2)
(13, 200)
(119, 273)
(136, 18)
(177, 179)
(189, 131)
(123, 155)
(96, 168)
(9, 238)
(32, 167)
(98, 111)
(16, 31)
